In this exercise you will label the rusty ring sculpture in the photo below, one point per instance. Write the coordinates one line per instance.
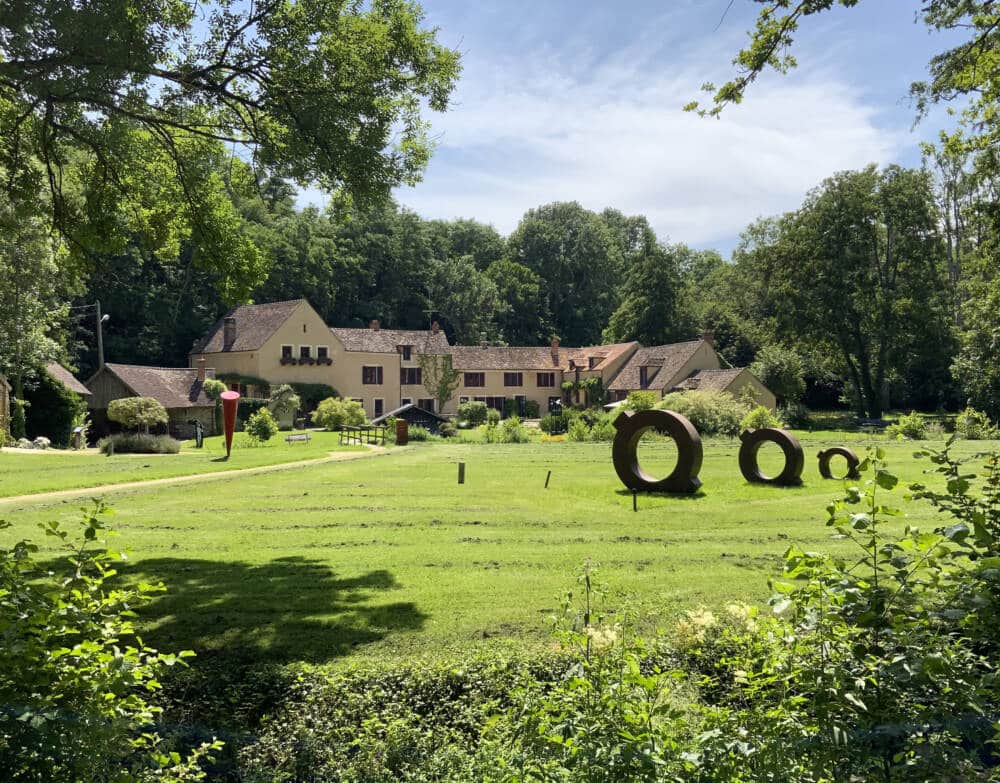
(630, 428)
(791, 474)
(839, 451)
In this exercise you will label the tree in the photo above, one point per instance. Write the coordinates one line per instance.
(781, 370)
(284, 401)
(465, 298)
(52, 409)
(578, 260)
(859, 269)
(523, 317)
(32, 291)
(213, 389)
(462, 237)
(137, 413)
(335, 412)
(649, 311)
(440, 378)
(317, 91)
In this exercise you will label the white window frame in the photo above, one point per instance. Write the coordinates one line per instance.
(310, 356)
(327, 347)
(291, 351)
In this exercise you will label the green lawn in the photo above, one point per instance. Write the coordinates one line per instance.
(28, 472)
(387, 556)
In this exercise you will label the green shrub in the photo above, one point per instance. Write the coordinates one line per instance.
(75, 680)
(604, 430)
(781, 370)
(137, 413)
(335, 412)
(514, 431)
(578, 431)
(640, 400)
(447, 430)
(284, 401)
(492, 416)
(910, 427)
(974, 425)
(138, 443)
(531, 409)
(52, 410)
(418, 433)
(472, 413)
(246, 408)
(261, 426)
(759, 418)
(554, 424)
(711, 413)
(795, 415)
(312, 394)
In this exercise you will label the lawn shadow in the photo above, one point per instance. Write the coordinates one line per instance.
(284, 610)
(697, 495)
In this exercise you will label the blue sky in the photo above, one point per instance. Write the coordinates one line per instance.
(582, 101)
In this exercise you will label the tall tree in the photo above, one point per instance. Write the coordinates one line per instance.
(649, 311)
(523, 316)
(323, 91)
(575, 254)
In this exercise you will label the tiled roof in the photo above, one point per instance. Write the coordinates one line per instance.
(668, 358)
(388, 340)
(606, 354)
(468, 357)
(711, 380)
(254, 325)
(172, 387)
(402, 408)
(66, 378)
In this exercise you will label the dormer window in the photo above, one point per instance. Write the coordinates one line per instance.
(406, 351)
(643, 377)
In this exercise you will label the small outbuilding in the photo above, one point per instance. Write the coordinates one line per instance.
(415, 416)
(67, 379)
(736, 381)
(178, 389)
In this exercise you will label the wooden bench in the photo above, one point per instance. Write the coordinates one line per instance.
(303, 437)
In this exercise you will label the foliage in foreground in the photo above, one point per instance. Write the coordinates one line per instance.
(877, 667)
(75, 681)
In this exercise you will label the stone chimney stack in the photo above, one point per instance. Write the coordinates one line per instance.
(709, 337)
(374, 325)
(484, 344)
(435, 327)
(228, 332)
(201, 368)
(555, 350)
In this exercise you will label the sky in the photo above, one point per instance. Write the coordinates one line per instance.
(562, 100)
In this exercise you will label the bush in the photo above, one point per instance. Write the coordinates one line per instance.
(974, 425)
(138, 443)
(578, 431)
(531, 410)
(492, 416)
(137, 413)
(75, 680)
(52, 410)
(604, 430)
(447, 430)
(711, 413)
(261, 426)
(554, 424)
(781, 370)
(312, 394)
(246, 408)
(472, 413)
(418, 433)
(759, 418)
(909, 427)
(284, 401)
(335, 412)
(795, 415)
(640, 400)
(514, 431)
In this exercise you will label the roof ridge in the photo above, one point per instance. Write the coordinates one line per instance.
(148, 367)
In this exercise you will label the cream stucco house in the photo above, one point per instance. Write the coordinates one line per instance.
(253, 347)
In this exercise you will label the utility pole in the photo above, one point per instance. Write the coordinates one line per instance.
(100, 337)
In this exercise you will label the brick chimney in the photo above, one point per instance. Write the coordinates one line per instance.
(228, 332)
(435, 327)
(484, 344)
(555, 350)
(374, 325)
(709, 337)
(201, 368)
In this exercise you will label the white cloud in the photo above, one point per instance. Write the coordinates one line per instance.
(524, 132)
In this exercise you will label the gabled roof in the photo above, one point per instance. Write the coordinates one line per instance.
(407, 407)
(711, 380)
(66, 378)
(380, 340)
(468, 357)
(254, 326)
(172, 387)
(605, 354)
(666, 360)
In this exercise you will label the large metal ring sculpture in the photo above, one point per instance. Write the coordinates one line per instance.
(631, 426)
(839, 451)
(791, 474)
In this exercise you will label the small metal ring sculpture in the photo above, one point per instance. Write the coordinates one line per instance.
(632, 426)
(791, 474)
(839, 451)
